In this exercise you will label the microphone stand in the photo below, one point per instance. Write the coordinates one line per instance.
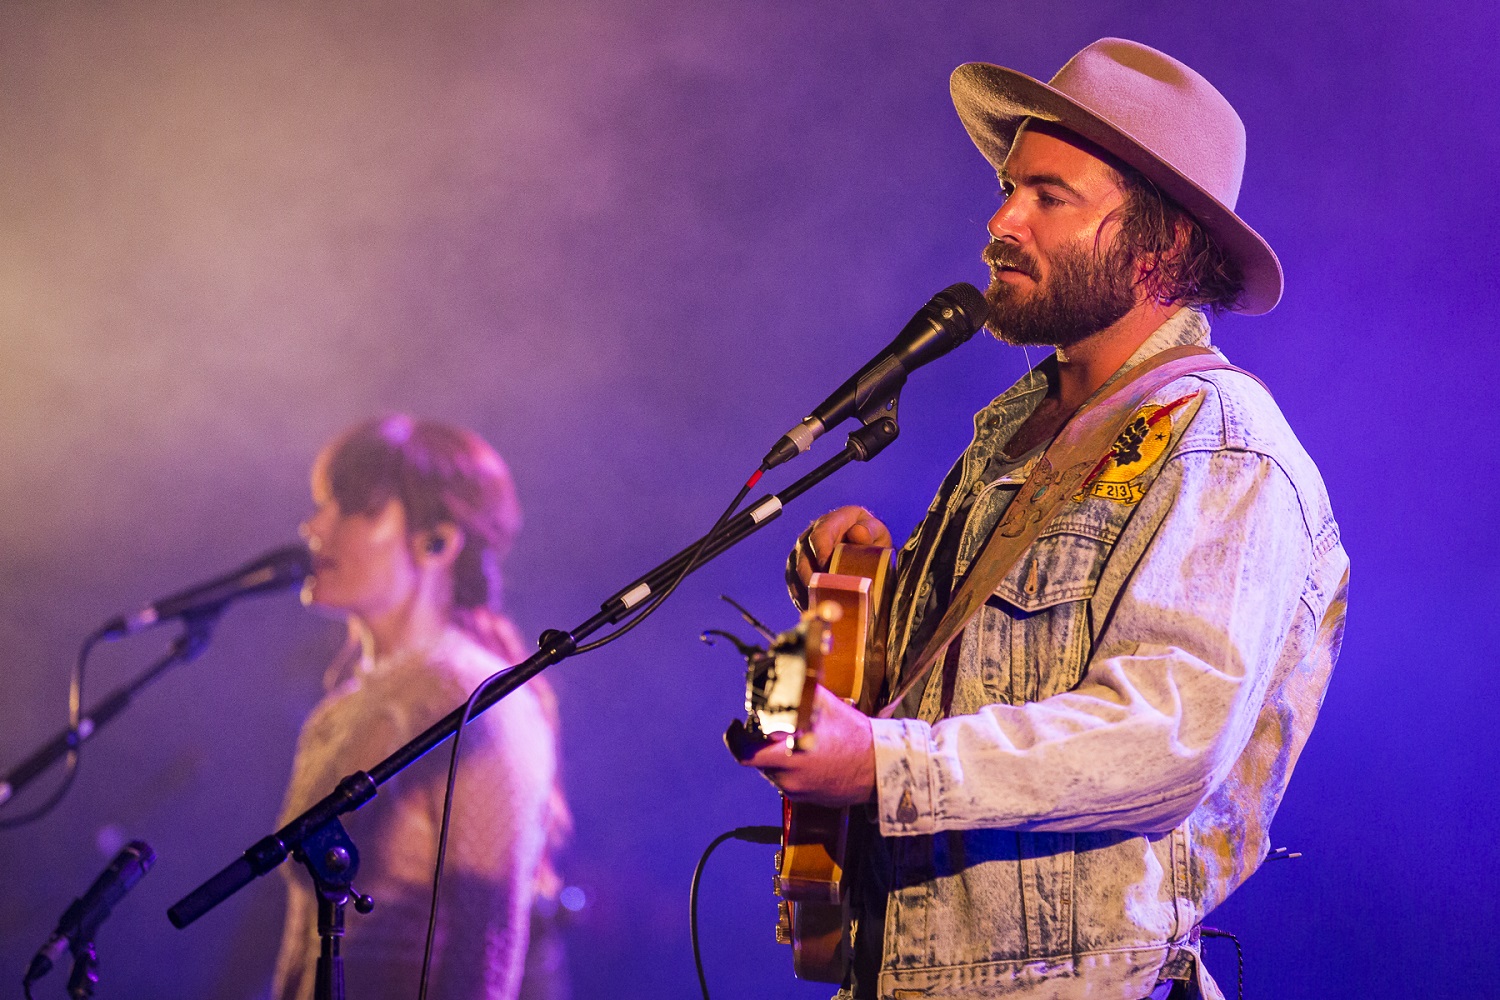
(331, 858)
(317, 833)
(196, 633)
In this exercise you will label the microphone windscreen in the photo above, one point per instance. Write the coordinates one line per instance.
(969, 301)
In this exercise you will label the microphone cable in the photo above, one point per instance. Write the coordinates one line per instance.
(749, 834)
(1239, 953)
(688, 567)
(75, 736)
(442, 843)
(636, 619)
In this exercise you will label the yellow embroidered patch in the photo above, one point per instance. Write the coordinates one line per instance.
(1143, 441)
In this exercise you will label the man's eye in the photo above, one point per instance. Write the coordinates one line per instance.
(1047, 200)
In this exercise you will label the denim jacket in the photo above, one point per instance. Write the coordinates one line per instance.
(1097, 767)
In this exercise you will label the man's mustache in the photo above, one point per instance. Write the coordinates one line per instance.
(998, 255)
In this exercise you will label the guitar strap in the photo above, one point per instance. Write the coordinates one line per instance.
(1080, 453)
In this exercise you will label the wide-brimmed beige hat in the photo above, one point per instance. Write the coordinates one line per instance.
(1152, 112)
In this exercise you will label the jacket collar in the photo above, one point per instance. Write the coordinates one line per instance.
(1186, 327)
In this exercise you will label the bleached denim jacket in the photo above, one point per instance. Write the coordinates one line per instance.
(1099, 767)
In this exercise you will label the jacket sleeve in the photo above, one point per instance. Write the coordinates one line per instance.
(1171, 691)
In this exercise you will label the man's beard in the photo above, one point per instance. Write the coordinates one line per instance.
(1086, 292)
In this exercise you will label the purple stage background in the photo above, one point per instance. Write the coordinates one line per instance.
(631, 243)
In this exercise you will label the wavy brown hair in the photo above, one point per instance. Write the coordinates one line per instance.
(1184, 264)
(441, 474)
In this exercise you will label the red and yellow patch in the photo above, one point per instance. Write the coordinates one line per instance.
(1117, 477)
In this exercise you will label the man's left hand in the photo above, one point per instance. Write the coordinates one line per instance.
(837, 770)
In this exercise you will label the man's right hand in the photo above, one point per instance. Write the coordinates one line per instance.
(815, 545)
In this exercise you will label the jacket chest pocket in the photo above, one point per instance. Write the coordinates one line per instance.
(1035, 633)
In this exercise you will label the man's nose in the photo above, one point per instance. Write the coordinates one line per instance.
(1004, 224)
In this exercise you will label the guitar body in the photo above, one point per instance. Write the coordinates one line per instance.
(814, 909)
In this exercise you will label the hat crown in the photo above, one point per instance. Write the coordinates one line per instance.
(1165, 106)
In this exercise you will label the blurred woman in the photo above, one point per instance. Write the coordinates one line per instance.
(412, 520)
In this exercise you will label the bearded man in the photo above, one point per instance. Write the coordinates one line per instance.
(1089, 733)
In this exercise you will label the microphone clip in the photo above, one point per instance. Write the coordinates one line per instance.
(84, 978)
(879, 430)
(886, 407)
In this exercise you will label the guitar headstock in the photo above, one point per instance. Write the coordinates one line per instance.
(780, 682)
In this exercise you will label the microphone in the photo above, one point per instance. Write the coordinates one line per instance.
(276, 570)
(81, 920)
(949, 319)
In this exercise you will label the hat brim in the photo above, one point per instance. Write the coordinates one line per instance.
(993, 101)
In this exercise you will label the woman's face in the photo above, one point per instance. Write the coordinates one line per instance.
(362, 563)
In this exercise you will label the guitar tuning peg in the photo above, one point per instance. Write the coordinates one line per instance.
(750, 619)
(829, 611)
(745, 649)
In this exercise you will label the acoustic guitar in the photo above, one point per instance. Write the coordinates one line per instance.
(839, 644)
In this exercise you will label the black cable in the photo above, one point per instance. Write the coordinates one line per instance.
(640, 616)
(71, 764)
(693, 908)
(657, 601)
(442, 845)
(749, 834)
(1239, 954)
(75, 719)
